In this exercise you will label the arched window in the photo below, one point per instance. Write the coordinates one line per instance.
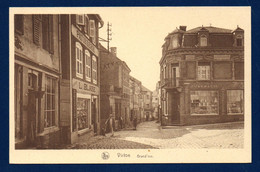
(203, 40)
(87, 65)
(79, 60)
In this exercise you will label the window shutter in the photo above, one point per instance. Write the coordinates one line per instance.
(92, 28)
(51, 43)
(86, 25)
(45, 32)
(36, 29)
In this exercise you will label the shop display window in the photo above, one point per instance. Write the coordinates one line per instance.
(83, 112)
(50, 102)
(204, 102)
(235, 102)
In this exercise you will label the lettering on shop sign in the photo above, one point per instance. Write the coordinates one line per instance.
(204, 86)
(84, 40)
(84, 87)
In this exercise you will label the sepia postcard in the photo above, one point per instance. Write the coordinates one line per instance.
(130, 85)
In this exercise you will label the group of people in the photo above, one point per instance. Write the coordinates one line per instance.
(111, 119)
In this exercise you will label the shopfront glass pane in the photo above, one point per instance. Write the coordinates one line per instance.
(235, 101)
(204, 102)
(82, 113)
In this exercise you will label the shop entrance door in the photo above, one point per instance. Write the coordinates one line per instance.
(32, 109)
(175, 115)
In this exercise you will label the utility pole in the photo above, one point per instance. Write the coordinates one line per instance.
(109, 35)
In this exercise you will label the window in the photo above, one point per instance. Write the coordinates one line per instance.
(87, 65)
(191, 70)
(204, 102)
(147, 96)
(94, 69)
(50, 101)
(47, 33)
(222, 70)
(18, 23)
(174, 43)
(83, 113)
(164, 72)
(203, 71)
(235, 102)
(239, 41)
(92, 32)
(203, 40)
(86, 27)
(80, 19)
(239, 70)
(79, 59)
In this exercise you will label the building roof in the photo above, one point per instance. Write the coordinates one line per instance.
(145, 89)
(211, 29)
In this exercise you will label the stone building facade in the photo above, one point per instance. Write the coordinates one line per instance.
(80, 76)
(202, 76)
(147, 108)
(36, 81)
(115, 89)
(135, 98)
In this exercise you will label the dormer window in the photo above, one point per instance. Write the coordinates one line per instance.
(174, 43)
(239, 41)
(203, 40)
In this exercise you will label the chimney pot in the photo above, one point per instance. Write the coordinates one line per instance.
(183, 28)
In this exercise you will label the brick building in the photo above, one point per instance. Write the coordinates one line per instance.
(115, 91)
(36, 79)
(202, 76)
(79, 86)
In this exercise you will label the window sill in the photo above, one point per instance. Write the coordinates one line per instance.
(49, 130)
(79, 76)
(208, 114)
(235, 114)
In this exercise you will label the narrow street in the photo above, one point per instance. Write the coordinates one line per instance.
(151, 135)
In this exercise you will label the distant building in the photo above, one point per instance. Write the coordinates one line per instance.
(147, 108)
(36, 78)
(202, 76)
(115, 88)
(156, 101)
(80, 83)
(135, 98)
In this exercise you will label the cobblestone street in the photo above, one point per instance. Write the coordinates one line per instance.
(151, 135)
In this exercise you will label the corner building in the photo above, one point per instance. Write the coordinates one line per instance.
(202, 76)
(79, 87)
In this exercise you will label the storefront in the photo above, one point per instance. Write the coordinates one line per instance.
(36, 106)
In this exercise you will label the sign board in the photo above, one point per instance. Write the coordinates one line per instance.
(84, 40)
(84, 87)
(221, 57)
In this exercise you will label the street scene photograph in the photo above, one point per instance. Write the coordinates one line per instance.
(130, 78)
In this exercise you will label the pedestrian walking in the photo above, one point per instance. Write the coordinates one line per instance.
(111, 119)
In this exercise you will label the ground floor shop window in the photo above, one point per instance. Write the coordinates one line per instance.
(83, 113)
(235, 101)
(50, 101)
(204, 102)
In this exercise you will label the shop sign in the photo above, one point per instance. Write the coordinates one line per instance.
(84, 40)
(221, 57)
(84, 87)
(190, 57)
(204, 86)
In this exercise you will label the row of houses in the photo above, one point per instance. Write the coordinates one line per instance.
(66, 83)
(202, 76)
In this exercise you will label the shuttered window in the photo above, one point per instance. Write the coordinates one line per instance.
(47, 33)
(18, 23)
(36, 29)
(92, 33)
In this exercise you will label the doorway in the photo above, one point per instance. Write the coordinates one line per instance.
(175, 108)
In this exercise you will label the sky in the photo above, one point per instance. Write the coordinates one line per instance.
(139, 32)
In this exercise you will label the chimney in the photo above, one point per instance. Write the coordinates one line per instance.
(183, 28)
(113, 50)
